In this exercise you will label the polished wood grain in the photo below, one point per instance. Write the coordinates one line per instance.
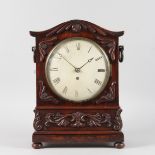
(58, 121)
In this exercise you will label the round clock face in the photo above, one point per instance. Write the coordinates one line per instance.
(77, 69)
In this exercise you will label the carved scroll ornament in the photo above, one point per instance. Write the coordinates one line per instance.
(108, 43)
(118, 121)
(44, 45)
(78, 119)
(44, 95)
(37, 124)
(108, 95)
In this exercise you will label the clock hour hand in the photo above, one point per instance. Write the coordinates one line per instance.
(89, 60)
(66, 60)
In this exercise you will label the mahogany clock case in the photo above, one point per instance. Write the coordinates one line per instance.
(93, 122)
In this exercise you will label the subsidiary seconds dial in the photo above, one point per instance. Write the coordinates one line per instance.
(77, 69)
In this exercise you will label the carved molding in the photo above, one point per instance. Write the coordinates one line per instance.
(78, 119)
(108, 95)
(37, 124)
(118, 121)
(44, 95)
(76, 27)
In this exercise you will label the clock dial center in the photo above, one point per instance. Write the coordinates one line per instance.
(77, 70)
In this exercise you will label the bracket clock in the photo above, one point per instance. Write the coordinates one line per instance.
(77, 97)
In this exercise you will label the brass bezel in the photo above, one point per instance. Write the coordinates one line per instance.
(108, 66)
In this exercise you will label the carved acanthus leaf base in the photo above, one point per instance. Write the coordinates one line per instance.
(77, 119)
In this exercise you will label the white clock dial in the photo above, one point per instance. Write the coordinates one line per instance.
(77, 69)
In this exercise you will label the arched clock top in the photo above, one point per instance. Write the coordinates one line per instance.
(76, 26)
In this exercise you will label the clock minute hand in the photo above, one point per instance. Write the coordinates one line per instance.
(89, 60)
(66, 60)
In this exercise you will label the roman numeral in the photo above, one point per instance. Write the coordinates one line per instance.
(56, 80)
(98, 58)
(76, 93)
(54, 69)
(101, 70)
(98, 82)
(89, 90)
(89, 49)
(65, 90)
(67, 49)
(78, 46)
(60, 56)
